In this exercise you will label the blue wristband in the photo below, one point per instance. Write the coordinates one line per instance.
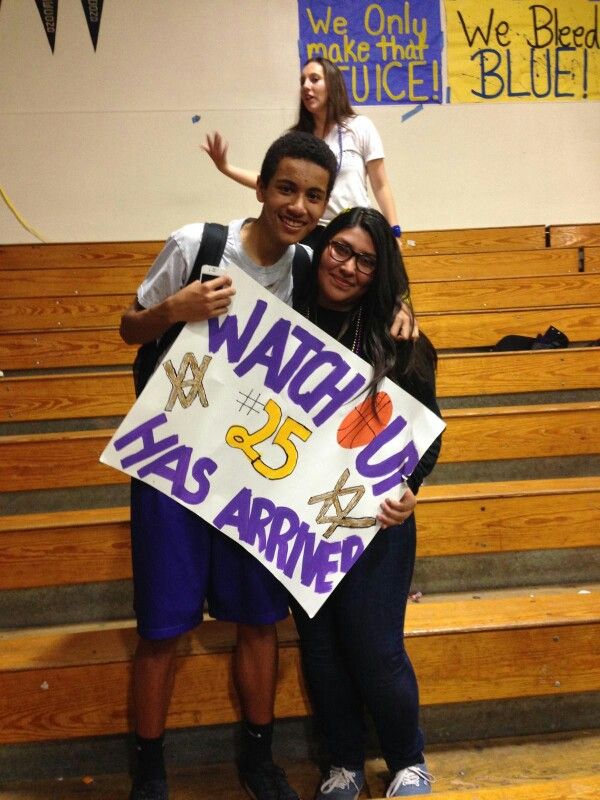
(396, 230)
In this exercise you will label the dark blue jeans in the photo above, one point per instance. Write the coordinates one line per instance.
(353, 656)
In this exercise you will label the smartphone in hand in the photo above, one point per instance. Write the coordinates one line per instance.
(208, 272)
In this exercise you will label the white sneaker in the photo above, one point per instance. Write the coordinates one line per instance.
(410, 781)
(342, 784)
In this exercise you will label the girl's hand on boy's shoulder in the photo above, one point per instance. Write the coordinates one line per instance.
(404, 326)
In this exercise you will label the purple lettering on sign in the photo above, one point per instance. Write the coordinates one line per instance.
(317, 564)
(227, 331)
(328, 387)
(272, 529)
(294, 557)
(397, 466)
(236, 514)
(181, 456)
(283, 529)
(261, 515)
(352, 548)
(270, 353)
(150, 447)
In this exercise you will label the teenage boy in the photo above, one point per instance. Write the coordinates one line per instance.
(179, 560)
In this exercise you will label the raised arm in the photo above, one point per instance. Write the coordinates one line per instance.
(195, 302)
(217, 147)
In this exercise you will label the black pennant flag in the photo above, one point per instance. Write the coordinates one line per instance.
(49, 13)
(93, 14)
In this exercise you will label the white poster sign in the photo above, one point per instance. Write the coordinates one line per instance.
(258, 422)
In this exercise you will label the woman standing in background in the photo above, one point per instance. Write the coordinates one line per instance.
(326, 112)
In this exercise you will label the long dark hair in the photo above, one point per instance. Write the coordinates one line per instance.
(338, 104)
(395, 360)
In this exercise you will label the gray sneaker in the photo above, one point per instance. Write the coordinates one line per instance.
(410, 782)
(342, 784)
(150, 790)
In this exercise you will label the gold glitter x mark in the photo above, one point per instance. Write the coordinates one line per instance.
(341, 518)
(194, 384)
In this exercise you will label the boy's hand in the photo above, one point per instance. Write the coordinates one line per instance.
(202, 300)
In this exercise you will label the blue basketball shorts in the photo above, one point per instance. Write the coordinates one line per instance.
(180, 561)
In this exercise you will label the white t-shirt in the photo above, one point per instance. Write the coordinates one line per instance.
(170, 271)
(360, 143)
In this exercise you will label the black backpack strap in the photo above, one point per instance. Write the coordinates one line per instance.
(300, 276)
(212, 245)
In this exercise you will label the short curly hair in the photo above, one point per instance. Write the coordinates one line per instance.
(305, 146)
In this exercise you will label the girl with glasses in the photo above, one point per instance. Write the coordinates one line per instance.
(352, 650)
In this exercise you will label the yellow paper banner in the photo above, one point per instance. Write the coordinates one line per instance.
(515, 50)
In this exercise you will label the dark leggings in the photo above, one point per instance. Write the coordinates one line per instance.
(353, 656)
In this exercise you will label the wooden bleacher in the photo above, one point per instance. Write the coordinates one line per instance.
(88, 666)
(67, 378)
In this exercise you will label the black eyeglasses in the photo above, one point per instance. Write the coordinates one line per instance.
(340, 251)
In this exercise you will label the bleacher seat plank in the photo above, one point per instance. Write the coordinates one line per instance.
(101, 347)
(104, 311)
(468, 374)
(55, 687)
(64, 548)
(454, 266)
(78, 255)
(503, 264)
(485, 328)
(64, 348)
(93, 254)
(97, 394)
(66, 396)
(474, 240)
(55, 461)
(592, 259)
(67, 281)
(503, 293)
(508, 516)
(582, 235)
(72, 547)
(521, 488)
(106, 642)
(61, 460)
(505, 432)
(44, 313)
(583, 787)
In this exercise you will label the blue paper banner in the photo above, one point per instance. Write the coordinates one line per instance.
(390, 52)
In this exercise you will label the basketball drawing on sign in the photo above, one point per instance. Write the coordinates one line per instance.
(365, 421)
